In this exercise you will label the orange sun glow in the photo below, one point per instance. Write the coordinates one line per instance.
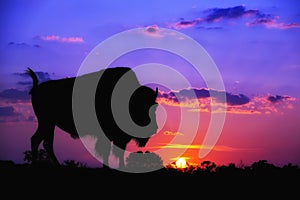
(181, 163)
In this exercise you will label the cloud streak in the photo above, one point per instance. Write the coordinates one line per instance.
(198, 147)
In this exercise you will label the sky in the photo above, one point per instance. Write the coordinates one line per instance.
(250, 53)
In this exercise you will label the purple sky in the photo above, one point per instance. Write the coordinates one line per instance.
(251, 42)
(254, 44)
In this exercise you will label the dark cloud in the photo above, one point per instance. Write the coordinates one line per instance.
(199, 93)
(8, 111)
(18, 44)
(31, 118)
(239, 99)
(231, 99)
(23, 44)
(277, 98)
(186, 23)
(171, 96)
(216, 14)
(192, 93)
(24, 82)
(152, 29)
(15, 95)
(42, 76)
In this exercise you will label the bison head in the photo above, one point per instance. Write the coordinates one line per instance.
(142, 107)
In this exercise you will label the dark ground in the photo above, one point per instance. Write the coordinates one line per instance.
(279, 181)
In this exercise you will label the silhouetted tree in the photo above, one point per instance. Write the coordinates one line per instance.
(42, 156)
(290, 166)
(208, 166)
(291, 169)
(262, 165)
(231, 165)
(230, 169)
(241, 165)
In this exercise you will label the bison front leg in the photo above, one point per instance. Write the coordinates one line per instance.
(102, 148)
(118, 151)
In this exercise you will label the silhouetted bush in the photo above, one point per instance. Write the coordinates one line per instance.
(74, 164)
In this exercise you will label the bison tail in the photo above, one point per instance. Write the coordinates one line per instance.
(34, 78)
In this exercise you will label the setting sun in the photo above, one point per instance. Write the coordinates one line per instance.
(181, 163)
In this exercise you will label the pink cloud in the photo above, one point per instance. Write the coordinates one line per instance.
(57, 38)
(272, 23)
(16, 112)
(185, 24)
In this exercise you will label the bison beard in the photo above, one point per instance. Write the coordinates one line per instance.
(52, 104)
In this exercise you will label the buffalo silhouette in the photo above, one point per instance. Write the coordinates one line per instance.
(117, 92)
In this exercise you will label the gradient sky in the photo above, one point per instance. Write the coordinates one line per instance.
(254, 44)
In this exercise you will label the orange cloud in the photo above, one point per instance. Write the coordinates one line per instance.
(172, 133)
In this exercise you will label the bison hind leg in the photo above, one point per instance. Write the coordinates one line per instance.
(36, 139)
(48, 145)
(44, 132)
